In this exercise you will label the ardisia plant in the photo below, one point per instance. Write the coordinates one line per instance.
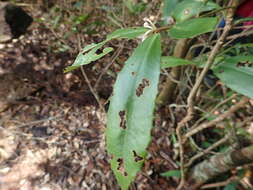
(135, 93)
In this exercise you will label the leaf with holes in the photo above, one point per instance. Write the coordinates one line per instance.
(193, 27)
(130, 114)
(89, 53)
(237, 75)
(169, 6)
(191, 8)
(89, 56)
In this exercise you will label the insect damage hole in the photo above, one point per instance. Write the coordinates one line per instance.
(144, 83)
(221, 71)
(120, 167)
(137, 158)
(187, 11)
(122, 115)
(243, 64)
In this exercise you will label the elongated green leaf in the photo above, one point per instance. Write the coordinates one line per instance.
(190, 8)
(131, 109)
(89, 53)
(90, 46)
(238, 59)
(90, 56)
(128, 33)
(193, 27)
(170, 61)
(172, 173)
(238, 78)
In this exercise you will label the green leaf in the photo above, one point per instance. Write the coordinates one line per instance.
(238, 59)
(172, 173)
(134, 7)
(193, 27)
(90, 56)
(89, 53)
(238, 78)
(168, 8)
(170, 61)
(128, 33)
(231, 186)
(89, 47)
(190, 8)
(130, 114)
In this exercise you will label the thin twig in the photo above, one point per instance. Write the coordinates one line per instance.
(93, 91)
(208, 64)
(220, 184)
(17, 133)
(229, 37)
(228, 113)
(166, 157)
(214, 109)
(199, 155)
(37, 122)
(236, 36)
(114, 57)
(191, 97)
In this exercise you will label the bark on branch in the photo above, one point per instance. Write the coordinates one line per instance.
(217, 165)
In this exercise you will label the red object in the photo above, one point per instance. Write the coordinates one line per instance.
(246, 10)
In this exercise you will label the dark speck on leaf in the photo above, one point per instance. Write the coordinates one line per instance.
(122, 115)
(121, 166)
(221, 71)
(243, 64)
(144, 83)
(137, 158)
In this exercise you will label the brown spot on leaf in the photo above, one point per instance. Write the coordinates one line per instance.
(137, 158)
(243, 64)
(144, 83)
(221, 71)
(133, 73)
(122, 115)
(121, 166)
